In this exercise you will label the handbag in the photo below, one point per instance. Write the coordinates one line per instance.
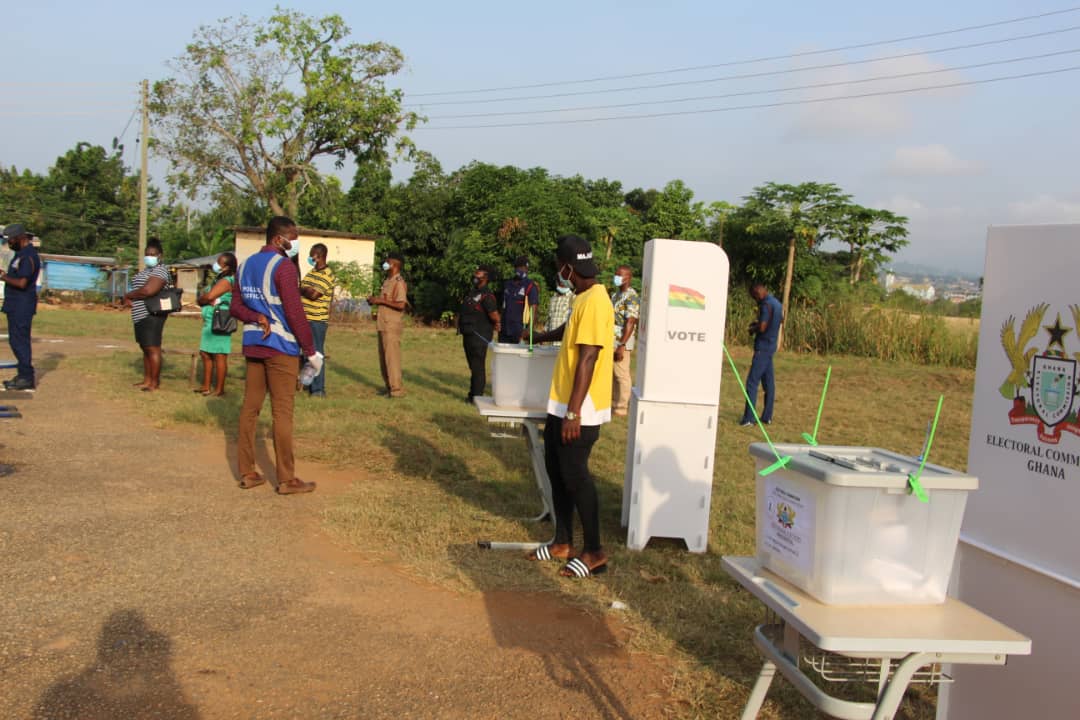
(166, 301)
(222, 323)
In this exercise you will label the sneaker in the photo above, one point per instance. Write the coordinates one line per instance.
(19, 384)
(747, 423)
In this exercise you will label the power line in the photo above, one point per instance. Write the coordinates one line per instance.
(62, 113)
(765, 73)
(812, 86)
(60, 83)
(750, 61)
(944, 86)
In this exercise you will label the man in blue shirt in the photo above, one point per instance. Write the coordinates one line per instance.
(20, 302)
(766, 331)
(521, 297)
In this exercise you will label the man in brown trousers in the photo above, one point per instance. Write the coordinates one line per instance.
(389, 321)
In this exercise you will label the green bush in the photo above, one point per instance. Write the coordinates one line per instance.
(851, 328)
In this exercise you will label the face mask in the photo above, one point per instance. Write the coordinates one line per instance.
(522, 274)
(617, 281)
(385, 266)
(477, 281)
(293, 251)
(311, 261)
(562, 290)
(216, 268)
(563, 282)
(151, 260)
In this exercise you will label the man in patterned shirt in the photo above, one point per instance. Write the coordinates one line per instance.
(316, 292)
(627, 310)
(559, 309)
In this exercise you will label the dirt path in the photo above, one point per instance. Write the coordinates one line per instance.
(139, 582)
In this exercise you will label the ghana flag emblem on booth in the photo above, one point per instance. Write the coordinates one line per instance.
(685, 297)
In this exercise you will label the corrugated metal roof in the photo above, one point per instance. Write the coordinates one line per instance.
(312, 232)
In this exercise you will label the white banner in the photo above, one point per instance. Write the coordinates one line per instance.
(1025, 436)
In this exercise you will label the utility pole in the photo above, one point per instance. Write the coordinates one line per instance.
(144, 143)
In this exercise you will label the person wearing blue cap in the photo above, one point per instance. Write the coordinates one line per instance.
(20, 303)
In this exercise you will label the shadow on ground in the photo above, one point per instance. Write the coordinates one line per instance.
(131, 677)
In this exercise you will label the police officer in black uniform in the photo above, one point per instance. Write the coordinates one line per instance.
(20, 302)
(520, 296)
(477, 322)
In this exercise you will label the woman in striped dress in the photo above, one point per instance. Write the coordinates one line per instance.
(148, 282)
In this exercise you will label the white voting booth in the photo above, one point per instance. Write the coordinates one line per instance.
(673, 410)
(1019, 554)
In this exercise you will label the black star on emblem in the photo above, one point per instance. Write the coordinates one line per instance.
(1057, 333)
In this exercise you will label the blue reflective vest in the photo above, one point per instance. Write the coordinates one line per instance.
(260, 294)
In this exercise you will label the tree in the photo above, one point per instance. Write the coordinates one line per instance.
(673, 214)
(869, 234)
(803, 213)
(717, 214)
(253, 106)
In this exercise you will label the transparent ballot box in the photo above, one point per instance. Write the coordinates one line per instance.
(841, 524)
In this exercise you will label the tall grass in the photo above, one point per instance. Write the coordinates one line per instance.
(850, 328)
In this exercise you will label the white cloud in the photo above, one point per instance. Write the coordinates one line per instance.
(924, 160)
(1045, 209)
(873, 116)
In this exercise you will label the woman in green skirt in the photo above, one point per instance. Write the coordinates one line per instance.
(213, 348)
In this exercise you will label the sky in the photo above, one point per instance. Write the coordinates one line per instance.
(953, 160)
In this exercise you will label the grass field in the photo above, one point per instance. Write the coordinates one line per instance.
(433, 480)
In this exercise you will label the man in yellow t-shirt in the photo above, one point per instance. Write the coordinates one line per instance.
(579, 402)
(316, 292)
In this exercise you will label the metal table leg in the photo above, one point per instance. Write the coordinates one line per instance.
(889, 701)
(536, 454)
(757, 695)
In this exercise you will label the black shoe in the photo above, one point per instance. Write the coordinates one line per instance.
(19, 384)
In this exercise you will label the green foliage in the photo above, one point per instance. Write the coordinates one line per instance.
(842, 325)
(252, 105)
(431, 300)
(356, 281)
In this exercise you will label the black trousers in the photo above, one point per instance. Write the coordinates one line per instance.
(476, 349)
(19, 340)
(572, 486)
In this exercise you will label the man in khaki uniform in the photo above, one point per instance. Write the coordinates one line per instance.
(389, 322)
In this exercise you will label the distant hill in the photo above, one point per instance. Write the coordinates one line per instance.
(920, 271)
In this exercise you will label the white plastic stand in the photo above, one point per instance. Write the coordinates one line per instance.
(669, 467)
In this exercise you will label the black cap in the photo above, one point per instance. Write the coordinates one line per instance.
(396, 256)
(15, 230)
(521, 261)
(577, 253)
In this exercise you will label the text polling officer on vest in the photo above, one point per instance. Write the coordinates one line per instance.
(276, 332)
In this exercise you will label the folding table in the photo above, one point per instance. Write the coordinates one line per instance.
(890, 645)
(529, 419)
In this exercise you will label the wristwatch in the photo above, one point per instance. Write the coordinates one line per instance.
(571, 415)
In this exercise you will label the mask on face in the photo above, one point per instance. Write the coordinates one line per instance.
(617, 281)
(563, 282)
(562, 290)
(385, 266)
(311, 261)
(522, 274)
(476, 282)
(151, 260)
(216, 267)
(293, 251)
